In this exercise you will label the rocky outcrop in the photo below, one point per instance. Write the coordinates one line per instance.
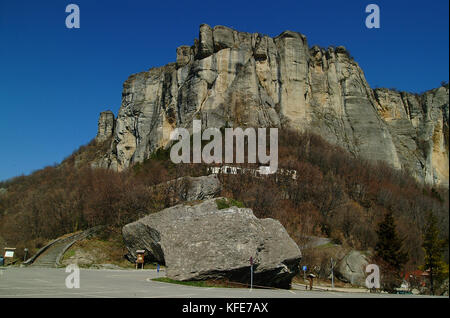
(190, 188)
(201, 241)
(248, 79)
(105, 126)
(197, 188)
(419, 126)
(351, 268)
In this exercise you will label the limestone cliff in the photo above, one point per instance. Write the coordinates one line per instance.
(231, 78)
(418, 125)
(105, 126)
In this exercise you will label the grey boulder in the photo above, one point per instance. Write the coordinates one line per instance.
(201, 241)
(352, 268)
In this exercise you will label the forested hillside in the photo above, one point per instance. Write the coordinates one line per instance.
(334, 195)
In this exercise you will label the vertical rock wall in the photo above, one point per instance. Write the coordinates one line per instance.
(231, 78)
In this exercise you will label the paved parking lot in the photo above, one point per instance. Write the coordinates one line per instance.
(50, 282)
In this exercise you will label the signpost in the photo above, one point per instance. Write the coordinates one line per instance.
(251, 273)
(140, 258)
(304, 268)
(9, 253)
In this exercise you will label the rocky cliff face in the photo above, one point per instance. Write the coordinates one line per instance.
(419, 128)
(231, 78)
(105, 126)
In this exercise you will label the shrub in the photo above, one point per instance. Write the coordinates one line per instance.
(227, 203)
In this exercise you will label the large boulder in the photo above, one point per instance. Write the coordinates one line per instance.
(200, 241)
(352, 268)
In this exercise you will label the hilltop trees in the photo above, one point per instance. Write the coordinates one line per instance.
(334, 195)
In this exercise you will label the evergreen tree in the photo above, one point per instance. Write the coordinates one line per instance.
(389, 253)
(433, 247)
(389, 245)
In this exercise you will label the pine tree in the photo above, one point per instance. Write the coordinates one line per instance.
(389, 252)
(433, 247)
(389, 245)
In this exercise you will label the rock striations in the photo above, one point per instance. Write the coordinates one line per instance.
(236, 78)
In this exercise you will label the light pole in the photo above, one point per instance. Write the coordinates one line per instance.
(332, 273)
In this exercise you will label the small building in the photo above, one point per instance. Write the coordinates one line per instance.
(416, 277)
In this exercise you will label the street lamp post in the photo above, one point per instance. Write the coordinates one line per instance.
(332, 273)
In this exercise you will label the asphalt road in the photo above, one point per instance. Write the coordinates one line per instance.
(51, 283)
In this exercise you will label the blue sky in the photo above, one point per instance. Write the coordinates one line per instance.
(55, 81)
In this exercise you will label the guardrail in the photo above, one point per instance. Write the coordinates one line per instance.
(42, 250)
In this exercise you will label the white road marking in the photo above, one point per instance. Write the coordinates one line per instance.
(170, 296)
(41, 280)
(68, 293)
